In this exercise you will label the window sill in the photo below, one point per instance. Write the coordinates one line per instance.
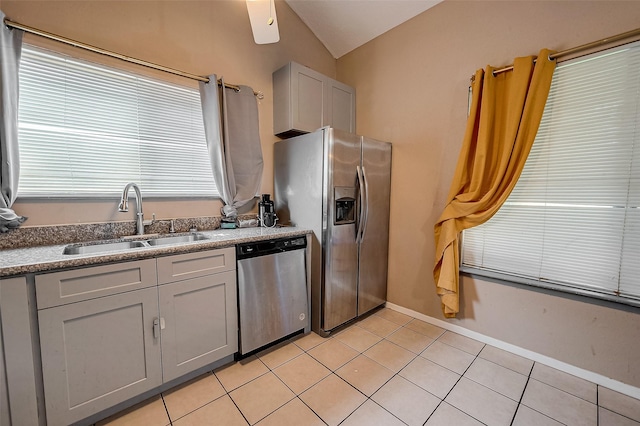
(549, 287)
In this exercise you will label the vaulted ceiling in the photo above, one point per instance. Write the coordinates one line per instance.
(343, 25)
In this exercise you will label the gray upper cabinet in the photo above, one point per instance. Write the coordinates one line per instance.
(342, 106)
(305, 100)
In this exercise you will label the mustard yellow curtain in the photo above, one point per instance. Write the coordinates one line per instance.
(505, 115)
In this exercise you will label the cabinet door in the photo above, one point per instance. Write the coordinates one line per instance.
(200, 322)
(98, 353)
(18, 394)
(307, 98)
(341, 104)
(299, 95)
(4, 391)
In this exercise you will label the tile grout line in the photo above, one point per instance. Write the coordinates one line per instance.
(404, 326)
(356, 389)
(239, 410)
(306, 405)
(166, 409)
(597, 405)
(296, 395)
(456, 383)
(567, 392)
(513, 419)
(226, 393)
(362, 393)
(394, 375)
(271, 370)
(333, 372)
(529, 378)
(420, 354)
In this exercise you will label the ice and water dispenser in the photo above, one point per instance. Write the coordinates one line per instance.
(345, 208)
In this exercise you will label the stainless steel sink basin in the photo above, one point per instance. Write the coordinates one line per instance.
(103, 247)
(177, 239)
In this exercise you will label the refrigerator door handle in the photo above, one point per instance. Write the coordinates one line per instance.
(366, 202)
(361, 185)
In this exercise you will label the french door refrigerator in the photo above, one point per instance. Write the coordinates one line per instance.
(338, 185)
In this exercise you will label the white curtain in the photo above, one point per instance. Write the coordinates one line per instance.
(10, 49)
(233, 140)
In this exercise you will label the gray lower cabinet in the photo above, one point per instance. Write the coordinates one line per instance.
(18, 354)
(110, 333)
(200, 323)
(5, 417)
(98, 353)
(198, 307)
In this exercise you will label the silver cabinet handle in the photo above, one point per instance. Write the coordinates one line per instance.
(156, 328)
(158, 325)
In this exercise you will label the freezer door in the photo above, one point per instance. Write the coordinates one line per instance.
(374, 246)
(339, 294)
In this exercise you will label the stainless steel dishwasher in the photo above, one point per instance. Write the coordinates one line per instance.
(273, 297)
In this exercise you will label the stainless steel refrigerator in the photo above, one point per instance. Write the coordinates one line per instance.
(338, 185)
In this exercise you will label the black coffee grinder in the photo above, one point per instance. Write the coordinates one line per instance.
(267, 212)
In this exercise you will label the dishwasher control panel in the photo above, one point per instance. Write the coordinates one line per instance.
(262, 248)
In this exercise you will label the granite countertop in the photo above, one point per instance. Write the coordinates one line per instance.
(47, 258)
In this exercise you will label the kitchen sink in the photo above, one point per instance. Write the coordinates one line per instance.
(178, 239)
(103, 247)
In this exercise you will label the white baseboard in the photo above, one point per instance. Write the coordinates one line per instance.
(598, 379)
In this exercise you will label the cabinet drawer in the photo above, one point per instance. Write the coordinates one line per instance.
(192, 265)
(59, 288)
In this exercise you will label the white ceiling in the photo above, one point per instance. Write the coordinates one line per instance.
(343, 25)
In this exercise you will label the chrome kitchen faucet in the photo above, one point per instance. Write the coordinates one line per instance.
(124, 206)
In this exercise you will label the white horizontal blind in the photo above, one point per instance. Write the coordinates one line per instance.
(86, 130)
(573, 219)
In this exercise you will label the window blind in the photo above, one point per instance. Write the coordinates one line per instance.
(573, 219)
(85, 130)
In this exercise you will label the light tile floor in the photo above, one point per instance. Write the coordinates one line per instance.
(388, 369)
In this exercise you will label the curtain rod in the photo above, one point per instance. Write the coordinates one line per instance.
(582, 47)
(105, 52)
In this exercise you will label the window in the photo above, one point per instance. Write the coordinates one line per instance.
(573, 219)
(85, 130)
